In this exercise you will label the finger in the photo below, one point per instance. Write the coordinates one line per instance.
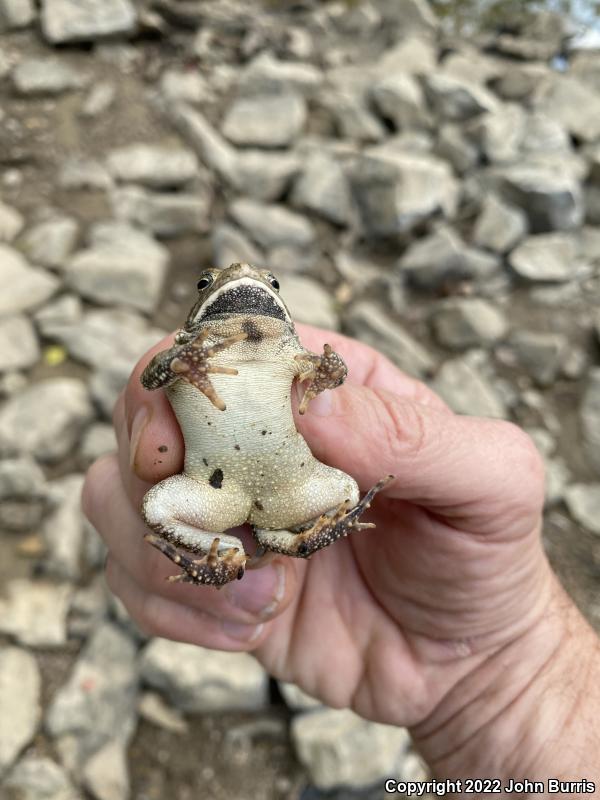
(481, 473)
(262, 594)
(169, 619)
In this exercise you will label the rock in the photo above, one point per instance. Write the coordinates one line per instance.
(573, 104)
(153, 709)
(540, 354)
(265, 120)
(521, 80)
(296, 699)
(45, 420)
(590, 419)
(122, 266)
(409, 16)
(72, 21)
(11, 223)
(106, 775)
(459, 323)
(547, 257)
(63, 529)
(204, 681)
(98, 440)
(152, 165)
(45, 76)
(369, 323)
(23, 287)
(98, 700)
(551, 198)
(308, 302)
(583, 502)
(16, 14)
(99, 99)
(19, 348)
(107, 338)
(400, 99)
(453, 146)
(209, 145)
(351, 113)
(338, 748)
(51, 242)
(414, 54)
(499, 134)
(35, 613)
(268, 74)
(89, 608)
(20, 686)
(58, 317)
(230, 245)
(272, 225)
(543, 134)
(165, 215)
(84, 174)
(499, 227)
(39, 778)
(394, 192)
(467, 391)
(265, 175)
(322, 188)
(558, 476)
(442, 259)
(456, 99)
(183, 86)
(24, 494)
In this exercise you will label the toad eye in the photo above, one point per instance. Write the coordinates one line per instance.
(204, 282)
(273, 281)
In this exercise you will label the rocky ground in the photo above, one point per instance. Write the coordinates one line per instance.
(437, 198)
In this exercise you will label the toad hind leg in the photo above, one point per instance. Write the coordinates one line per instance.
(323, 531)
(186, 516)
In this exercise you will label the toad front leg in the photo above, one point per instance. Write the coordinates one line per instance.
(321, 372)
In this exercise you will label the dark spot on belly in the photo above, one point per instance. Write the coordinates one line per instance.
(251, 328)
(264, 433)
(259, 505)
(302, 464)
(216, 479)
(205, 462)
(236, 447)
(163, 448)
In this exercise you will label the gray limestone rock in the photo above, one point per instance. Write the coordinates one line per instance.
(268, 74)
(184, 86)
(590, 419)
(84, 20)
(452, 145)
(400, 98)
(583, 502)
(39, 778)
(19, 347)
(541, 355)
(338, 748)
(209, 145)
(154, 166)
(46, 419)
(230, 245)
(410, 15)
(309, 302)
(45, 76)
(98, 440)
(464, 322)
(351, 114)
(370, 323)
(499, 134)
(84, 174)
(265, 175)
(59, 316)
(166, 215)
(204, 681)
(63, 529)
(467, 390)
(16, 14)
(23, 287)
(270, 225)
(546, 257)
(499, 227)
(323, 188)
(106, 773)
(51, 242)
(265, 120)
(122, 266)
(520, 81)
(99, 99)
(413, 54)
(11, 223)
(24, 494)
(20, 686)
(457, 99)
(573, 104)
(394, 192)
(35, 612)
(551, 197)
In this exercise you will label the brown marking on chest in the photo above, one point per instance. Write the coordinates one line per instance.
(251, 328)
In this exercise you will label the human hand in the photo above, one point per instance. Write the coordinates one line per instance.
(388, 622)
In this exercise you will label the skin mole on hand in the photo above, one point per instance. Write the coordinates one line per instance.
(163, 448)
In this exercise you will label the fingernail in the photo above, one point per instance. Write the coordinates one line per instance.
(140, 420)
(241, 632)
(322, 405)
(260, 591)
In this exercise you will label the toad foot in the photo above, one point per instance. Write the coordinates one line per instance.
(213, 569)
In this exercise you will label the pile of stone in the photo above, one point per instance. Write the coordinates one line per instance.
(436, 197)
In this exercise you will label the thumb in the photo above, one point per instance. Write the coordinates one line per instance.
(482, 475)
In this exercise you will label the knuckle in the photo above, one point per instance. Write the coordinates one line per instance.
(404, 425)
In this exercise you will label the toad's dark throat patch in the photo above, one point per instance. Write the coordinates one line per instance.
(244, 299)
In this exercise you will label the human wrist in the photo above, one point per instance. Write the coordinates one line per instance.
(528, 710)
